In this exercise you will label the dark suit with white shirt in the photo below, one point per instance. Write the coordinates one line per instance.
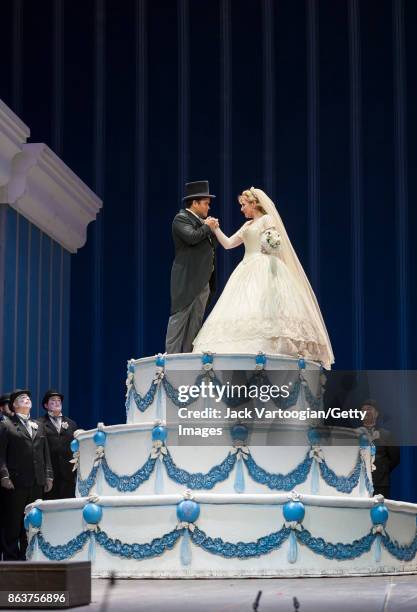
(25, 460)
(60, 434)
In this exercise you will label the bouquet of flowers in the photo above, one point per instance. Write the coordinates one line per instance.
(270, 241)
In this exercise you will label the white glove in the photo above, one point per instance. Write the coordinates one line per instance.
(6, 483)
(48, 485)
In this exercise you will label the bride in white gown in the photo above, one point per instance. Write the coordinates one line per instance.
(267, 304)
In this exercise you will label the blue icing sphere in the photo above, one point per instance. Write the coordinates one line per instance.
(313, 436)
(160, 361)
(188, 511)
(159, 433)
(239, 432)
(92, 513)
(294, 511)
(260, 359)
(207, 359)
(301, 363)
(26, 522)
(75, 445)
(34, 517)
(100, 438)
(363, 441)
(379, 514)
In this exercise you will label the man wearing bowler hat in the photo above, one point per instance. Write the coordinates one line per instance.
(25, 471)
(193, 270)
(59, 431)
(5, 411)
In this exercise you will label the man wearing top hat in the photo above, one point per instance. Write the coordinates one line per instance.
(193, 270)
(59, 431)
(25, 471)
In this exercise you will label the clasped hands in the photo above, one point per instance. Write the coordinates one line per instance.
(212, 222)
(6, 483)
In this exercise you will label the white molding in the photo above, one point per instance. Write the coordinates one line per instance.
(13, 134)
(51, 196)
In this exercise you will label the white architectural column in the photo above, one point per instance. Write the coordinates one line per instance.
(13, 134)
(37, 183)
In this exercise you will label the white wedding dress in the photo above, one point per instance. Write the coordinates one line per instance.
(263, 306)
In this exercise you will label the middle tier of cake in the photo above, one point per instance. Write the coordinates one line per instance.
(138, 458)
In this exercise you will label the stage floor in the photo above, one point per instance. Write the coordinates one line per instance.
(369, 594)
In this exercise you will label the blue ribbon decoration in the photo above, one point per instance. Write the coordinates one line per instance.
(85, 486)
(199, 480)
(217, 546)
(346, 484)
(315, 477)
(377, 548)
(159, 477)
(292, 549)
(128, 483)
(281, 482)
(239, 485)
(221, 472)
(142, 402)
(240, 550)
(259, 377)
(185, 554)
(92, 548)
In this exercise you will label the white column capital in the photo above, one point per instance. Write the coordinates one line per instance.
(13, 134)
(51, 196)
(37, 183)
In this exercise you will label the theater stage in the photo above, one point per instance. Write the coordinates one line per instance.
(357, 594)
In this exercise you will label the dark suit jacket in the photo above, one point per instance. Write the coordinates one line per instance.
(194, 263)
(387, 457)
(25, 460)
(59, 447)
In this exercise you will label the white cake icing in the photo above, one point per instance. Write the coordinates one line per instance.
(202, 546)
(128, 447)
(233, 518)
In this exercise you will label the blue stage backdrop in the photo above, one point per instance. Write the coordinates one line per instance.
(35, 300)
(313, 100)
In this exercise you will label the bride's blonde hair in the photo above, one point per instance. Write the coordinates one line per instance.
(251, 197)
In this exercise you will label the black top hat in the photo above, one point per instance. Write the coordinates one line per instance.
(15, 394)
(198, 189)
(51, 393)
(4, 399)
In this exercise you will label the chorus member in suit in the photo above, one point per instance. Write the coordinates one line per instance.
(387, 454)
(59, 431)
(25, 470)
(5, 411)
(193, 270)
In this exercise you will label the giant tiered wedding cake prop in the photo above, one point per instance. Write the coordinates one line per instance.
(146, 507)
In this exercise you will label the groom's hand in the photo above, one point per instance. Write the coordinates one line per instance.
(212, 223)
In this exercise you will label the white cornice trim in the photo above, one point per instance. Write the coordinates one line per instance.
(13, 134)
(48, 193)
(38, 184)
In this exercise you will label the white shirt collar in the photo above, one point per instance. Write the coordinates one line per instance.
(195, 215)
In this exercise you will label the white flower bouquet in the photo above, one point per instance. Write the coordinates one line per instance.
(270, 241)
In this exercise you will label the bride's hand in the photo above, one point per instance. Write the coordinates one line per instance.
(212, 223)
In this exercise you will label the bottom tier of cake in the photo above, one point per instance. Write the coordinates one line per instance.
(214, 535)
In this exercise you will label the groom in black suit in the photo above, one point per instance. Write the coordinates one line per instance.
(193, 270)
